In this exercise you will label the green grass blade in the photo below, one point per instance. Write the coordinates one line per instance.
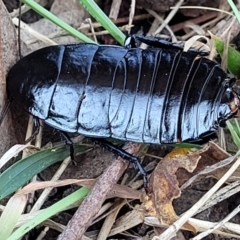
(235, 10)
(46, 14)
(233, 58)
(100, 16)
(49, 212)
(185, 145)
(234, 130)
(22, 171)
(237, 127)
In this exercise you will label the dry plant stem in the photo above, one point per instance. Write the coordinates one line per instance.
(127, 221)
(118, 21)
(206, 17)
(131, 14)
(230, 23)
(193, 27)
(104, 211)
(110, 219)
(171, 231)
(222, 139)
(218, 225)
(87, 27)
(92, 29)
(115, 7)
(170, 16)
(155, 24)
(29, 127)
(38, 144)
(204, 26)
(161, 20)
(33, 32)
(230, 230)
(205, 8)
(42, 234)
(25, 8)
(208, 170)
(105, 32)
(38, 204)
(29, 133)
(221, 195)
(93, 202)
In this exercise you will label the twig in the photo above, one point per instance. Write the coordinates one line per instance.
(93, 202)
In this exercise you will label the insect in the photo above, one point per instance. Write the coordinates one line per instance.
(157, 95)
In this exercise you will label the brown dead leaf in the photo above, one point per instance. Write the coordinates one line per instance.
(164, 184)
(212, 163)
(178, 167)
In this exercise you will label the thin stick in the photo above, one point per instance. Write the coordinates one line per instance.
(93, 202)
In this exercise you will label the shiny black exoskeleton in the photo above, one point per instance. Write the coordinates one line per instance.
(158, 95)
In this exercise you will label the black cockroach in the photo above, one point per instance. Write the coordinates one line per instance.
(157, 95)
(152, 96)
